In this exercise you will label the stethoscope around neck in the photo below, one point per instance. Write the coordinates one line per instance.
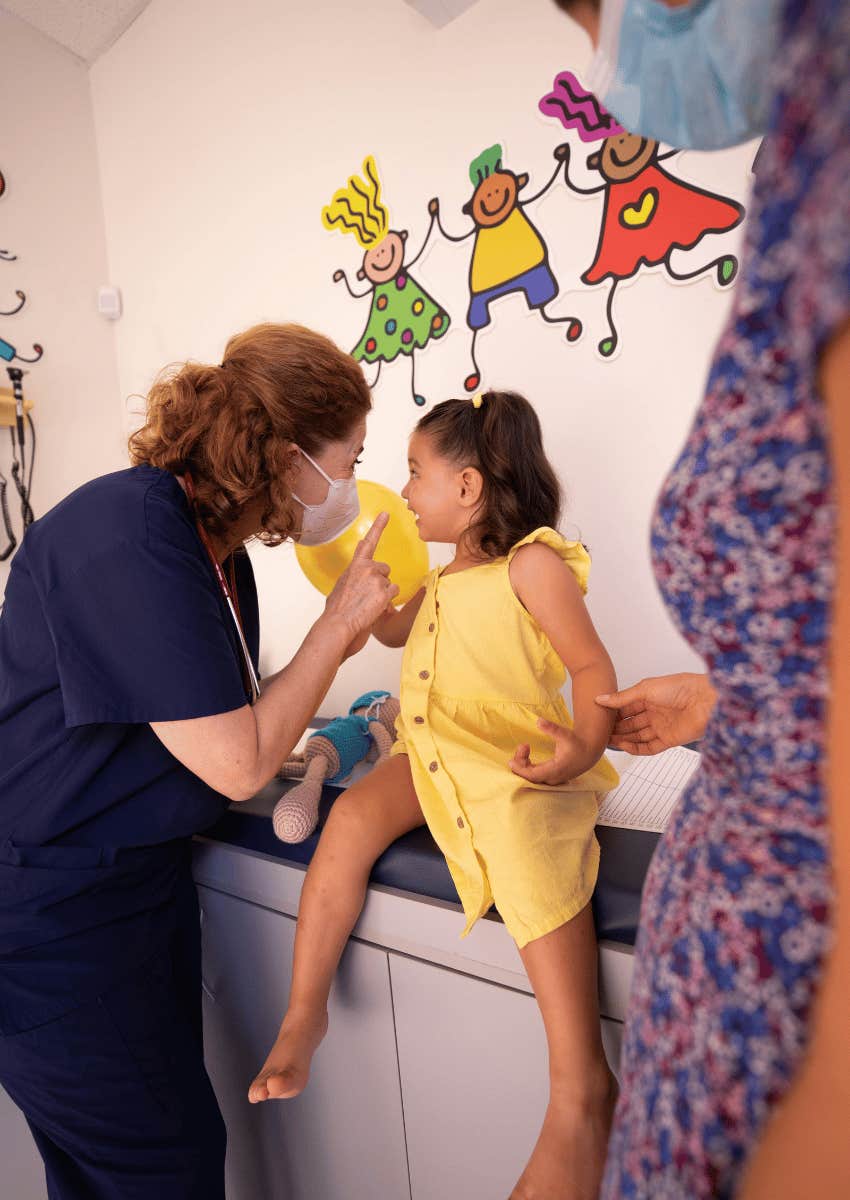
(225, 589)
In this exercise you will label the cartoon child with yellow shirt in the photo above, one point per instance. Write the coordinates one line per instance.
(509, 254)
(490, 758)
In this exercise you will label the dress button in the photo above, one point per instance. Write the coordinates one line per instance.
(419, 720)
(431, 627)
(460, 822)
(433, 766)
(423, 674)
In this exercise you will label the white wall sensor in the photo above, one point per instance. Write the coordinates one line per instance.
(109, 302)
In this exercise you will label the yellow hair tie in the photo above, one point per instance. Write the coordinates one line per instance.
(477, 399)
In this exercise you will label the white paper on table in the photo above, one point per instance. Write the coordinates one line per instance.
(649, 788)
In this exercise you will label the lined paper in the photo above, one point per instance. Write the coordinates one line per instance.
(648, 790)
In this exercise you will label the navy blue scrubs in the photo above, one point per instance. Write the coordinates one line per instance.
(112, 619)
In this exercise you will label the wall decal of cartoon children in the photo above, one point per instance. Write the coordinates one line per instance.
(509, 253)
(403, 318)
(648, 213)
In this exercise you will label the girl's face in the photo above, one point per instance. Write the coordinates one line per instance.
(442, 496)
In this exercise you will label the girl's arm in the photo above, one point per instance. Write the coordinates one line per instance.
(546, 586)
(394, 626)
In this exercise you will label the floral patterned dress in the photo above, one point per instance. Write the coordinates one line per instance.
(736, 909)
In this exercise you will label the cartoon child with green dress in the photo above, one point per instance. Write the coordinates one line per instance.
(403, 318)
(509, 253)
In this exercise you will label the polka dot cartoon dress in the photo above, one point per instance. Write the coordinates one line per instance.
(736, 908)
(403, 318)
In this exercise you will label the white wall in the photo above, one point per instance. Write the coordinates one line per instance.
(51, 217)
(222, 130)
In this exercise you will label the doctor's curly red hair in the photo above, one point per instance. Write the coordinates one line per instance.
(231, 425)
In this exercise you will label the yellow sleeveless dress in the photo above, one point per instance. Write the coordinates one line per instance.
(477, 674)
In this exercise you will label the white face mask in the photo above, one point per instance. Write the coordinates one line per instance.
(339, 509)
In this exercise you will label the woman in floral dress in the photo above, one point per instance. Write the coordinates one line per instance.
(749, 534)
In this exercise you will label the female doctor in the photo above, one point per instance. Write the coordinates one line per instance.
(130, 714)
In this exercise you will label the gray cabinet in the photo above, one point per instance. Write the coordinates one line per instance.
(343, 1138)
(22, 1168)
(474, 1079)
(472, 1059)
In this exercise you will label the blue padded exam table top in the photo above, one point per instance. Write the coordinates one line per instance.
(414, 863)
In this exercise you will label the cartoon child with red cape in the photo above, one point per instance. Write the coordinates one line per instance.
(648, 212)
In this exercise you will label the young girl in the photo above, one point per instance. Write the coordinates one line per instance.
(487, 641)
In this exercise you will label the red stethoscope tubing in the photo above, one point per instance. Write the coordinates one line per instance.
(225, 589)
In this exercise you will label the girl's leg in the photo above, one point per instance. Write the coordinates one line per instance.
(363, 822)
(568, 1159)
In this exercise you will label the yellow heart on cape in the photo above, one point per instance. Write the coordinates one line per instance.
(635, 215)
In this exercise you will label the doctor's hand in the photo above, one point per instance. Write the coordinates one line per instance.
(572, 757)
(363, 591)
(660, 712)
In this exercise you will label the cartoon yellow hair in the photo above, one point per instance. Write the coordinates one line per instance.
(358, 208)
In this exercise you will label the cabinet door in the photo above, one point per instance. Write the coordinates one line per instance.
(474, 1080)
(23, 1170)
(343, 1138)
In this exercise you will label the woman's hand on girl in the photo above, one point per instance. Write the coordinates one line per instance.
(572, 757)
(660, 712)
(363, 591)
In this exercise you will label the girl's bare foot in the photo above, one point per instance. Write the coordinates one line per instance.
(569, 1158)
(287, 1068)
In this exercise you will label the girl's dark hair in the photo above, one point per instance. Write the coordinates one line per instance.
(502, 439)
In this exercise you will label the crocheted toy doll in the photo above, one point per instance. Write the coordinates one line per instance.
(366, 734)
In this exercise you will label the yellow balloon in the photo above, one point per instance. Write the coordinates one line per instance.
(400, 544)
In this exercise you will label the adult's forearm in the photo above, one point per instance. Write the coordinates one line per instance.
(292, 696)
